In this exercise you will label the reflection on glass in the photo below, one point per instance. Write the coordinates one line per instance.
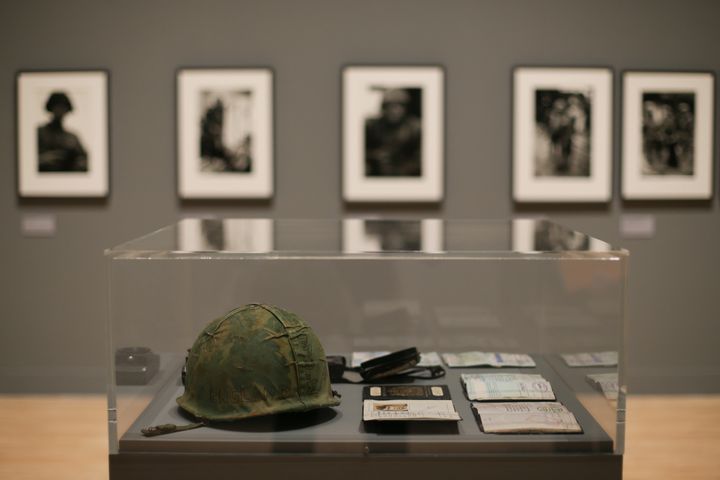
(544, 236)
(551, 237)
(374, 235)
(393, 235)
(226, 235)
(213, 234)
(349, 236)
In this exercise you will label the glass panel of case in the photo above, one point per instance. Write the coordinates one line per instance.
(373, 285)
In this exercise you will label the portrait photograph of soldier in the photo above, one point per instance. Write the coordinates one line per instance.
(563, 133)
(62, 133)
(668, 129)
(225, 143)
(393, 133)
(59, 148)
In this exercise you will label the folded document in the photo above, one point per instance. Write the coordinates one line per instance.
(526, 417)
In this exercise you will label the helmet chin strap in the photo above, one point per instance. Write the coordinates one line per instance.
(166, 428)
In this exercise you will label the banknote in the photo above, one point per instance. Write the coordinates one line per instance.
(488, 359)
(427, 359)
(507, 386)
(526, 417)
(408, 409)
(606, 382)
(591, 359)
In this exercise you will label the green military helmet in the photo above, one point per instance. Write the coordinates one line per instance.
(256, 360)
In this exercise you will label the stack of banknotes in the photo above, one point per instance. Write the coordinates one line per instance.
(607, 383)
(487, 359)
(506, 386)
(526, 417)
(591, 359)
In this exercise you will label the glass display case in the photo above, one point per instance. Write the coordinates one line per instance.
(489, 292)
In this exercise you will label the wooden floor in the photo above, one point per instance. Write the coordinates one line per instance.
(64, 437)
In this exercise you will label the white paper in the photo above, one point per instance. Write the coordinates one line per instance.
(591, 359)
(607, 382)
(429, 359)
(488, 359)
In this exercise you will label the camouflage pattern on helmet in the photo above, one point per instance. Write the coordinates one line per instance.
(256, 360)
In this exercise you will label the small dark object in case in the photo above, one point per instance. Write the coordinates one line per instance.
(390, 364)
(336, 365)
(135, 365)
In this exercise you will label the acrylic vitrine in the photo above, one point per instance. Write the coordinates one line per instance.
(371, 285)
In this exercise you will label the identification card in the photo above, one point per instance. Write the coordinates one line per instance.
(408, 402)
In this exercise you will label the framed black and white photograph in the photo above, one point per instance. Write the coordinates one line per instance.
(363, 235)
(225, 133)
(393, 134)
(562, 134)
(668, 125)
(62, 129)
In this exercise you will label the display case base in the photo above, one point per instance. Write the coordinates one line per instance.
(331, 443)
(183, 466)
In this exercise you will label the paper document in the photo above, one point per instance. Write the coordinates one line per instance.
(409, 410)
(430, 359)
(591, 359)
(606, 382)
(487, 359)
(507, 386)
(526, 417)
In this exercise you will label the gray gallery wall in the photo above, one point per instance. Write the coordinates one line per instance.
(53, 291)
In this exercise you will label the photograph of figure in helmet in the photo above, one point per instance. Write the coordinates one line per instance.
(225, 132)
(393, 133)
(59, 150)
(62, 133)
(563, 134)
